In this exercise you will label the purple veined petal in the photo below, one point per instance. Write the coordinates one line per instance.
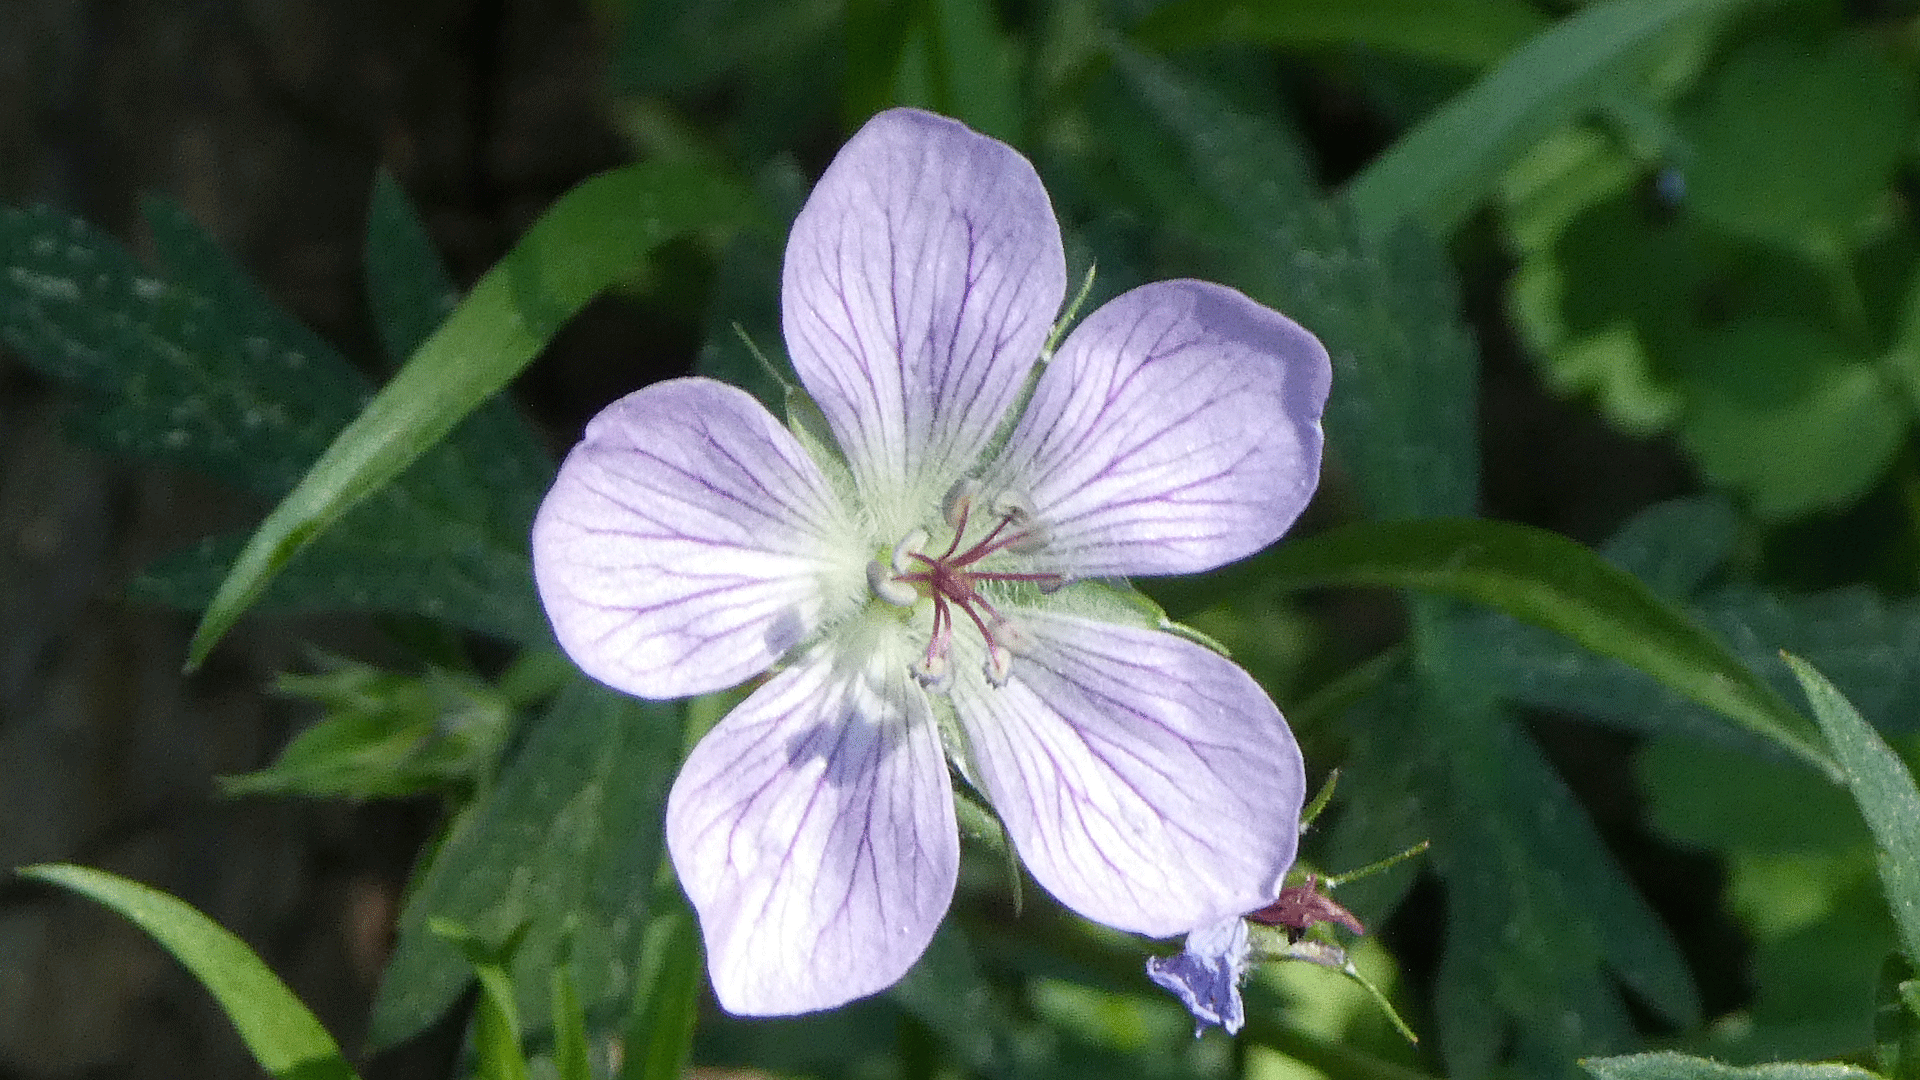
(921, 280)
(813, 829)
(1147, 783)
(1178, 428)
(1206, 974)
(688, 542)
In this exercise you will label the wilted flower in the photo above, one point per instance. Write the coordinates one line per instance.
(1206, 974)
(929, 592)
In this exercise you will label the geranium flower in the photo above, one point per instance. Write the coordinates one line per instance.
(928, 591)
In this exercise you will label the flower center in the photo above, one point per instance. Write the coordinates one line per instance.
(952, 579)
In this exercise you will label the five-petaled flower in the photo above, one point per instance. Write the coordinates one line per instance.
(929, 591)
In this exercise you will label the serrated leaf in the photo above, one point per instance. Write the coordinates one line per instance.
(1465, 32)
(566, 841)
(1541, 906)
(283, 1036)
(191, 364)
(1672, 1066)
(187, 364)
(1403, 420)
(1884, 790)
(1440, 171)
(590, 238)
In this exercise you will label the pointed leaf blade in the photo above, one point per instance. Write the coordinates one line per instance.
(1540, 578)
(1884, 789)
(590, 238)
(283, 1035)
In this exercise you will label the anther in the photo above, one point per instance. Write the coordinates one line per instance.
(888, 587)
(1027, 535)
(959, 502)
(906, 549)
(933, 672)
(999, 663)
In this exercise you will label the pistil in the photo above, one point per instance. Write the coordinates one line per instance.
(952, 580)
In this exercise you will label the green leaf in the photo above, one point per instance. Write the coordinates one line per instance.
(1403, 418)
(194, 366)
(1470, 33)
(1672, 1066)
(741, 341)
(408, 288)
(1896, 1021)
(666, 997)
(385, 734)
(949, 56)
(497, 1049)
(1797, 140)
(1547, 580)
(594, 235)
(392, 553)
(1719, 798)
(572, 1053)
(188, 365)
(1437, 173)
(1884, 789)
(1782, 412)
(282, 1035)
(1539, 911)
(565, 843)
(946, 991)
(1868, 642)
(1799, 878)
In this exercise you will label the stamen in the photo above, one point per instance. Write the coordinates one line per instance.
(999, 663)
(907, 548)
(959, 502)
(889, 588)
(951, 581)
(934, 672)
(1030, 536)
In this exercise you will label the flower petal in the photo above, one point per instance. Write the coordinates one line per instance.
(688, 542)
(921, 279)
(1147, 783)
(1177, 429)
(1206, 975)
(813, 829)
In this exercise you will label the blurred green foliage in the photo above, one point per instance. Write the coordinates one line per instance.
(1731, 260)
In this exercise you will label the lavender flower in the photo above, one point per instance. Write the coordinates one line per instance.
(928, 591)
